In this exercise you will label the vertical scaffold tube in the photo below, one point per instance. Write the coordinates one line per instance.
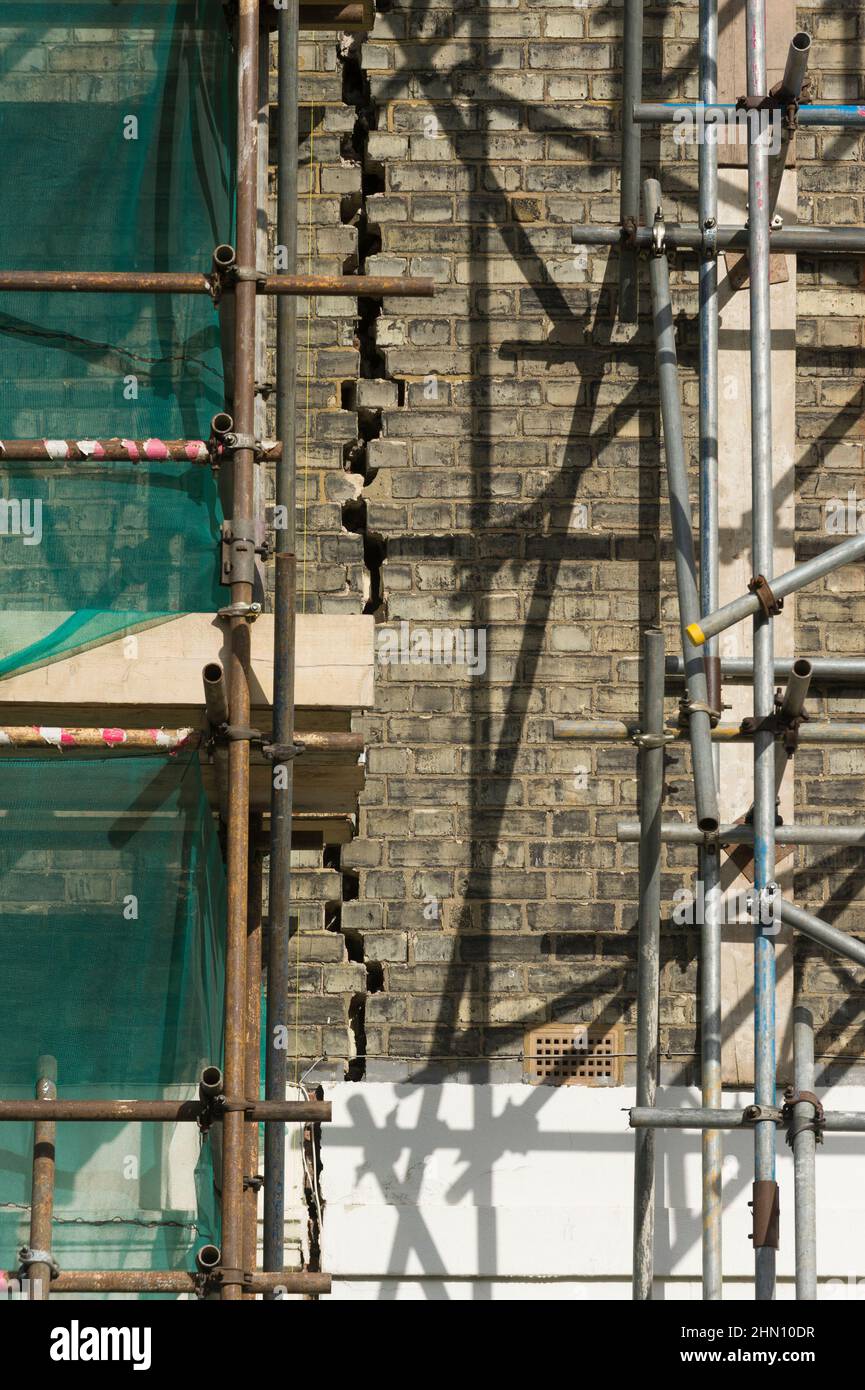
(252, 1084)
(242, 577)
(648, 954)
(38, 1272)
(281, 796)
(680, 515)
(632, 87)
(762, 504)
(709, 859)
(804, 1157)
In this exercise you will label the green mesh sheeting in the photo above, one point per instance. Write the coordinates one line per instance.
(111, 913)
(116, 122)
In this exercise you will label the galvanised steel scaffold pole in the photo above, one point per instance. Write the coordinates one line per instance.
(709, 867)
(699, 723)
(765, 1198)
(629, 204)
(818, 930)
(821, 114)
(282, 787)
(833, 1121)
(769, 727)
(681, 833)
(834, 670)
(679, 236)
(648, 953)
(788, 583)
(803, 1138)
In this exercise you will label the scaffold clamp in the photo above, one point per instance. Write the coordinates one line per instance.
(645, 741)
(795, 1126)
(659, 234)
(250, 611)
(282, 752)
(753, 1114)
(28, 1256)
(760, 587)
(687, 707)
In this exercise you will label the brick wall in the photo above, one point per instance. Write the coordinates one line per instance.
(507, 471)
(489, 462)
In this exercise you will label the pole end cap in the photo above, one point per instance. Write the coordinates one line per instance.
(696, 634)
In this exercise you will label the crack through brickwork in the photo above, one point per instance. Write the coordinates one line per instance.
(359, 396)
(366, 397)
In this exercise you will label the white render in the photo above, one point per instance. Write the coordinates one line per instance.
(512, 1191)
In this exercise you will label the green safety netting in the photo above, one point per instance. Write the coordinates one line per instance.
(111, 911)
(116, 125)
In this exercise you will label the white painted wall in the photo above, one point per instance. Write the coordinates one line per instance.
(522, 1192)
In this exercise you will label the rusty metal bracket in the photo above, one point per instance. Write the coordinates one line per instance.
(238, 733)
(755, 103)
(759, 586)
(224, 1104)
(253, 1183)
(766, 1210)
(712, 667)
(776, 724)
(238, 551)
(817, 1122)
(789, 726)
(775, 100)
(237, 273)
(224, 1274)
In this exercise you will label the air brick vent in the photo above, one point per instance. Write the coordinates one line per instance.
(572, 1055)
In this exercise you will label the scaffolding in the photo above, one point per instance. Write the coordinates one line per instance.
(230, 1088)
(776, 728)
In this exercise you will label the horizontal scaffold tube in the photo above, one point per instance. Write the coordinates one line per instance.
(676, 833)
(618, 731)
(678, 236)
(789, 583)
(811, 114)
(175, 1281)
(818, 930)
(158, 1111)
(850, 670)
(118, 450)
(195, 282)
(333, 16)
(836, 1121)
(46, 736)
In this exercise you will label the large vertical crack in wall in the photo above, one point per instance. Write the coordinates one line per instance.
(366, 396)
(371, 391)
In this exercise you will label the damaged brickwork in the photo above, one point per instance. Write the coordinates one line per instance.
(489, 462)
